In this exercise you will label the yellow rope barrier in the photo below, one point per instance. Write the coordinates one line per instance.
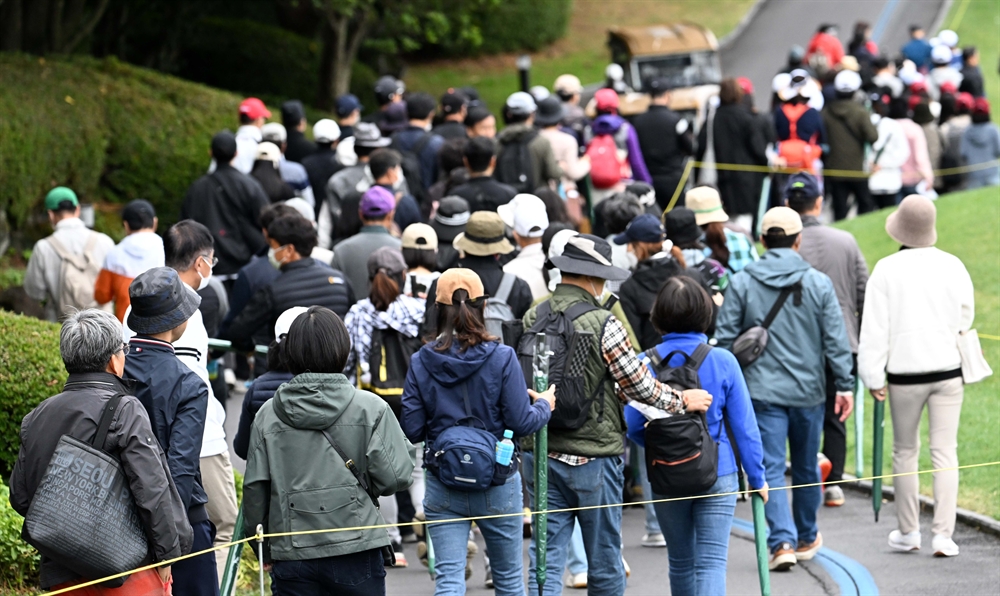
(733, 167)
(500, 515)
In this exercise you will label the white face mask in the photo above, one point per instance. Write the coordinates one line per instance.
(204, 279)
(273, 259)
(633, 261)
(597, 295)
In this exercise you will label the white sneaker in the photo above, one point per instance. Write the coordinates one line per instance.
(944, 546)
(576, 580)
(905, 542)
(655, 540)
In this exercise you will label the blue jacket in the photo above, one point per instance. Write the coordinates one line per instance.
(721, 376)
(918, 51)
(176, 400)
(433, 394)
(253, 276)
(407, 138)
(260, 391)
(803, 337)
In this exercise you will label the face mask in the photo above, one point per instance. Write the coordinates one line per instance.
(633, 261)
(204, 279)
(597, 295)
(273, 259)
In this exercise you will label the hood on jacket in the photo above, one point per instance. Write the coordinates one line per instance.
(778, 268)
(454, 366)
(135, 254)
(980, 135)
(653, 272)
(313, 400)
(842, 108)
(515, 133)
(607, 124)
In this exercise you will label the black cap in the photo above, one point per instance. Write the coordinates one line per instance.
(160, 301)
(224, 146)
(386, 88)
(292, 113)
(453, 101)
(681, 226)
(658, 86)
(550, 111)
(452, 215)
(472, 94)
(138, 214)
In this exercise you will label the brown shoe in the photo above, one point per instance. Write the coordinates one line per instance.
(783, 558)
(805, 552)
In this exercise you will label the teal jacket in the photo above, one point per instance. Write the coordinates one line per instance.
(803, 337)
(296, 482)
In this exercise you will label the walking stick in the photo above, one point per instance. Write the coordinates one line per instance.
(859, 429)
(540, 366)
(879, 426)
(760, 540)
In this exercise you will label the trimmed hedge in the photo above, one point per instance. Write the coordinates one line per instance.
(515, 25)
(31, 370)
(18, 559)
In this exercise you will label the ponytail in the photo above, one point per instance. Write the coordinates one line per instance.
(715, 238)
(461, 321)
(385, 289)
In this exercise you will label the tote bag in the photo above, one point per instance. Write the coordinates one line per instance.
(974, 365)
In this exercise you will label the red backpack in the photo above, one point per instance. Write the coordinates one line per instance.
(606, 168)
(796, 152)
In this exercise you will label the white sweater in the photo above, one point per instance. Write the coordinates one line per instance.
(916, 302)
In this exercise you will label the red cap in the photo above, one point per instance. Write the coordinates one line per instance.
(254, 108)
(918, 87)
(981, 106)
(949, 88)
(964, 101)
(746, 85)
(607, 99)
(914, 101)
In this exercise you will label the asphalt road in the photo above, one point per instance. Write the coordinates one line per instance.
(762, 47)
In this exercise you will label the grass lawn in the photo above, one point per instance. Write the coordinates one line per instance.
(968, 227)
(583, 51)
(977, 23)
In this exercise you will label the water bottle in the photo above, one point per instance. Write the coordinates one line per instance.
(505, 448)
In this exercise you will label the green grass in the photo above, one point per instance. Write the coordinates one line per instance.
(968, 225)
(583, 51)
(977, 23)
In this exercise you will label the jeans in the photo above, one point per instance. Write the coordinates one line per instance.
(356, 574)
(598, 482)
(450, 540)
(198, 576)
(801, 427)
(652, 524)
(576, 560)
(697, 534)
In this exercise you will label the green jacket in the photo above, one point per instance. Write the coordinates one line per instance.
(848, 129)
(295, 481)
(601, 435)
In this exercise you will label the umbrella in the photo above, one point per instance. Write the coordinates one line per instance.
(859, 429)
(879, 426)
(760, 539)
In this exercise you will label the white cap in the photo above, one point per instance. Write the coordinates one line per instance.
(909, 74)
(847, 81)
(568, 83)
(948, 38)
(521, 103)
(326, 131)
(614, 72)
(539, 92)
(941, 55)
(269, 152)
(285, 320)
(526, 215)
(303, 207)
(274, 132)
(782, 80)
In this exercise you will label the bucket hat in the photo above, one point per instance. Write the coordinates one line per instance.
(913, 223)
(588, 255)
(160, 301)
(483, 236)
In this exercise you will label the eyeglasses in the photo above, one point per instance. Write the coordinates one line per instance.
(211, 262)
(126, 349)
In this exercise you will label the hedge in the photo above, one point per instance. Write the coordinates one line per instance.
(18, 560)
(516, 25)
(31, 370)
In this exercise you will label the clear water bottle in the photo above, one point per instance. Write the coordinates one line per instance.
(505, 448)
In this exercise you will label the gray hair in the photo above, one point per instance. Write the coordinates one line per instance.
(88, 340)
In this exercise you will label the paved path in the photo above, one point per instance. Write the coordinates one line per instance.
(762, 47)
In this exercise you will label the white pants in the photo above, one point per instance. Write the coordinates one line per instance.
(217, 479)
(388, 506)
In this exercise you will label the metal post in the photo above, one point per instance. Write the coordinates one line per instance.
(760, 540)
(233, 559)
(524, 69)
(540, 365)
(879, 427)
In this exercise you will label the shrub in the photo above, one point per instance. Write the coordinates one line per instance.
(515, 25)
(31, 370)
(18, 559)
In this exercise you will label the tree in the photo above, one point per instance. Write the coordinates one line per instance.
(48, 26)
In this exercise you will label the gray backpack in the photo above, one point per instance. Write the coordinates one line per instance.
(497, 311)
(77, 277)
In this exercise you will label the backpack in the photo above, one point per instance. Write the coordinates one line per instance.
(796, 152)
(463, 457)
(388, 363)
(497, 311)
(714, 277)
(682, 458)
(515, 166)
(411, 165)
(77, 276)
(607, 167)
(567, 366)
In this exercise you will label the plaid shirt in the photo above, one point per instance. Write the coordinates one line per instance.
(404, 315)
(634, 381)
(742, 251)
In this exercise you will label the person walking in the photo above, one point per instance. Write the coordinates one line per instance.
(525, 160)
(265, 172)
(526, 216)
(90, 343)
(140, 250)
(436, 398)
(849, 129)
(918, 49)
(666, 140)
(420, 252)
(253, 114)
(909, 350)
(482, 190)
(415, 140)
(321, 418)
(64, 267)
(612, 145)
(376, 210)
(786, 382)
(725, 241)
(697, 531)
(566, 148)
(835, 253)
(293, 117)
(917, 170)
(449, 221)
(322, 164)
(292, 172)
(889, 152)
(981, 144)
(454, 109)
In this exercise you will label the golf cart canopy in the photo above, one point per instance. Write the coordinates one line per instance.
(683, 53)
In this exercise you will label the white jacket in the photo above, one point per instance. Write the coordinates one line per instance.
(916, 303)
(892, 150)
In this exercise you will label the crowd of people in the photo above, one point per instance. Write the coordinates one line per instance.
(399, 266)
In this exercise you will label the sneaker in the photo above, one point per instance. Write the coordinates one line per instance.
(805, 552)
(825, 465)
(397, 549)
(654, 540)
(783, 558)
(904, 542)
(422, 554)
(577, 581)
(470, 553)
(628, 570)
(833, 496)
(944, 546)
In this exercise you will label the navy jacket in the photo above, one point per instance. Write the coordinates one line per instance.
(407, 138)
(253, 276)
(433, 394)
(176, 400)
(260, 391)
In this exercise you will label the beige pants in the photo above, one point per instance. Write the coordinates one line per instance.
(217, 478)
(944, 406)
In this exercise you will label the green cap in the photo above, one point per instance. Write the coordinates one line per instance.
(59, 194)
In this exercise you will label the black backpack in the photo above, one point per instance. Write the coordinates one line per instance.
(388, 363)
(411, 165)
(682, 458)
(571, 349)
(515, 166)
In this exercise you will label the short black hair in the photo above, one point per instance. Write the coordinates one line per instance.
(245, 119)
(968, 52)
(273, 211)
(184, 242)
(420, 105)
(65, 207)
(479, 152)
(383, 160)
(621, 209)
(682, 306)
(915, 28)
(295, 230)
(880, 62)
(451, 154)
(512, 118)
(779, 240)
(476, 115)
(317, 342)
(420, 257)
(139, 215)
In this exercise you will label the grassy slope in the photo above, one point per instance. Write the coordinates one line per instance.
(977, 23)
(582, 52)
(968, 225)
